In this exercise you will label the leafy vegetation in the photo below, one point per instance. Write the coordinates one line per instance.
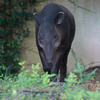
(13, 16)
(39, 87)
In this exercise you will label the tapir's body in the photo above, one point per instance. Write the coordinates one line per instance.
(55, 29)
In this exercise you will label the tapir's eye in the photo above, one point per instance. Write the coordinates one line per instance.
(41, 39)
(54, 37)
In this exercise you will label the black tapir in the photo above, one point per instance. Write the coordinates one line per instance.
(55, 30)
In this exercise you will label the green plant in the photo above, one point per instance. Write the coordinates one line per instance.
(83, 77)
(73, 90)
(13, 16)
(39, 87)
(13, 86)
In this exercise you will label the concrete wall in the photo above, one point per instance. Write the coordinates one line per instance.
(86, 44)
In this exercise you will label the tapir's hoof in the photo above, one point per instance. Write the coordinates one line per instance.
(53, 79)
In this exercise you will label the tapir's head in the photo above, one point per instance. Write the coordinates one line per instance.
(49, 37)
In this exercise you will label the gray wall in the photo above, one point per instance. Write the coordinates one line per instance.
(86, 44)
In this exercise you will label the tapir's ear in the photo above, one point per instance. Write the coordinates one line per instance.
(37, 19)
(59, 18)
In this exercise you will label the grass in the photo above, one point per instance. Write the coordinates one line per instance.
(39, 87)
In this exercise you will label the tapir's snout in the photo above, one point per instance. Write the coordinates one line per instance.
(49, 61)
(49, 52)
(49, 58)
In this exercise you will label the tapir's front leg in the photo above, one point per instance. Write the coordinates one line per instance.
(63, 66)
(56, 66)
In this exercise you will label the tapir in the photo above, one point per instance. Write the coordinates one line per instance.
(55, 30)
